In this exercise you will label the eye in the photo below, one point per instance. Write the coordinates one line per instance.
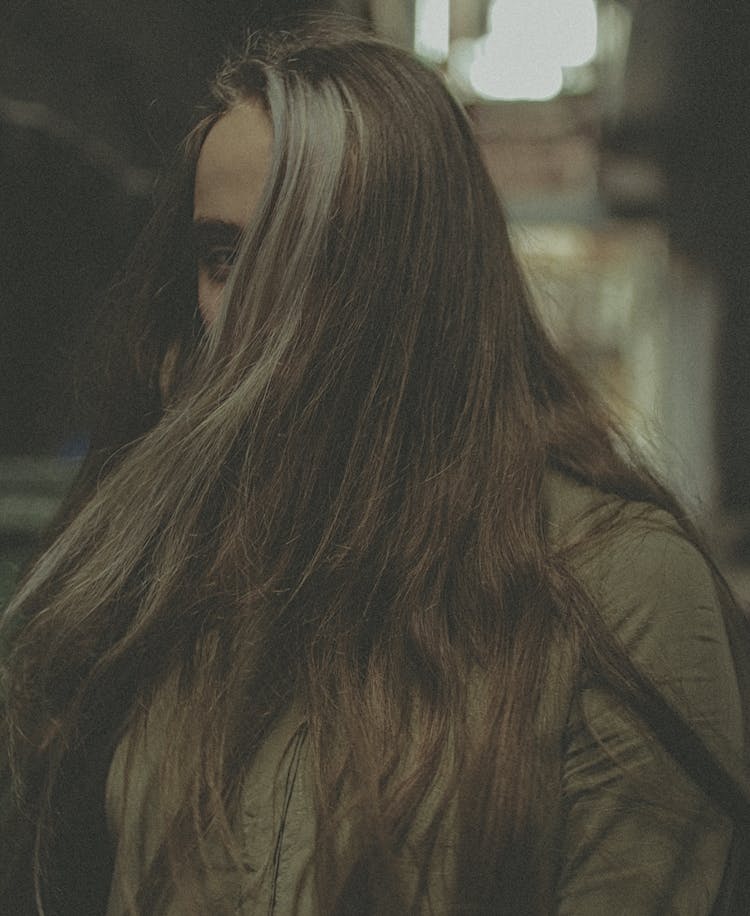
(218, 261)
(215, 245)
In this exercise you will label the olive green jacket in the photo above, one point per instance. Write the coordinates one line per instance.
(619, 851)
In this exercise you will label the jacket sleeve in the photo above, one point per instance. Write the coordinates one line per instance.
(640, 838)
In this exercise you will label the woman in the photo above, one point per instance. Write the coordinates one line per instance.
(359, 606)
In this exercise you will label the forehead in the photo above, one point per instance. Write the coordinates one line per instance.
(233, 164)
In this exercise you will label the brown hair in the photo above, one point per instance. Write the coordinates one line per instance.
(333, 495)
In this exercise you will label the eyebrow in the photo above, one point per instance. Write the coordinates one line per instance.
(215, 233)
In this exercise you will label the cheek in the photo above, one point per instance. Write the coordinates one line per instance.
(209, 296)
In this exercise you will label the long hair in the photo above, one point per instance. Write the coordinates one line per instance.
(331, 497)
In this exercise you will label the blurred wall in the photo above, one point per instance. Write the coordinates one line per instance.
(686, 107)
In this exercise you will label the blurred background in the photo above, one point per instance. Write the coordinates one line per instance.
(618, 133)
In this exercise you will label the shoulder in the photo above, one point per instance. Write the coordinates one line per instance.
(657, 595)
(639, 835)
(634, 560)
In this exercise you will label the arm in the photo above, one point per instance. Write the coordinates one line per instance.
(641, 839)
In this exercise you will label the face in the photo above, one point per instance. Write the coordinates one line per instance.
(232, 168)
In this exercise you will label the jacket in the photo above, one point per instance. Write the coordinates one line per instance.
(617, 853)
